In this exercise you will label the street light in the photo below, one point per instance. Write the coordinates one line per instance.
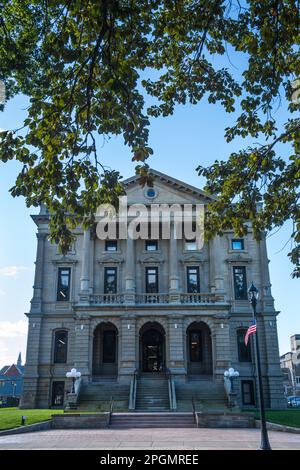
(231, 374)
(74, 375)
(265, 444)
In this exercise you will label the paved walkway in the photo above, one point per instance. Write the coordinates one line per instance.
(149, 439)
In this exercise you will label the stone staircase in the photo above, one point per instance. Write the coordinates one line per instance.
(209, 396)
(152, 420)
(152, 393)
(97, 396)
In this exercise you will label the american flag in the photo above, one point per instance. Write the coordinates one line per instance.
(250, 331)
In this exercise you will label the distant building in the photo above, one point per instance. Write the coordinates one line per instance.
(11, 381)
(290, 364)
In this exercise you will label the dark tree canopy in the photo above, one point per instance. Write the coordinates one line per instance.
(80, 63)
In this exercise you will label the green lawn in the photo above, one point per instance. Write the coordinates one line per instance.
(289, 417)
(11, 417)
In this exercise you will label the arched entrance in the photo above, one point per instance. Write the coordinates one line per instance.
(199, 349)
(152, 348)
(105, 350)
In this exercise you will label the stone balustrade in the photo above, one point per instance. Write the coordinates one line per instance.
(156, 298)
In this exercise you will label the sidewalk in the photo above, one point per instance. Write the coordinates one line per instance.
(149, 439)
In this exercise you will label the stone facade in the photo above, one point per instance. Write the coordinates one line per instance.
(138, 324)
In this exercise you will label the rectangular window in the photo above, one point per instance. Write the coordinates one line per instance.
(193, 279)
(110, 280)
(240, 282)
(190, 245)
(151, 245)
(244, 352)
(58, 391)
(111, 245)
(248, 392)
(63, 285)
(237, 244)
(60, 347)
(152, 280)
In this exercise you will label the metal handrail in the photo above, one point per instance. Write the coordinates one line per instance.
(195, 412)
(171, 388)
(132, 393)
(111, 408)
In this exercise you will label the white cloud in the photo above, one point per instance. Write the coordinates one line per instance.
(10, 329)
(2, 292)
(13, 337)
(12, 271)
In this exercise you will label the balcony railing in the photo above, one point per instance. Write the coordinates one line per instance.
(146, 299)
(106, 299)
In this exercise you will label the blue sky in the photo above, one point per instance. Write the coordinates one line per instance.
(193, 135)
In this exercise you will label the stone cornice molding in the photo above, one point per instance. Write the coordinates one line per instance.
(64, 261)
(111, 260)
(238, 259)
(151, 259)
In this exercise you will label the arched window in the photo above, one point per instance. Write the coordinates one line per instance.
(244, 352)
(60, 347)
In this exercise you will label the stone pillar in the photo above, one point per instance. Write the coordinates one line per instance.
(127, 349)
(85, 268)
(216, 266)
(173, 266)
(221, 348)
(36, 302)
(130, 271)
(83, 343)
(31, 377)
(267, 299)
(176, 338)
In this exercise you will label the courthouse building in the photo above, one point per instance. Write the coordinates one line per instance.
(113, 308)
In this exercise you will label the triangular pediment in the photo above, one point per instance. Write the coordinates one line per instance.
(168, 190)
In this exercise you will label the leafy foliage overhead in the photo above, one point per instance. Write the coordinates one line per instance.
(80, 62)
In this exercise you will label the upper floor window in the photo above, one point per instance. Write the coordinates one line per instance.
(111, 245)
(60, 347)
(193, 280)
(152, 280)
(151, 245)
(63, 284)
(190, 245)
(244, 352)
(237, 244)
(240, 282)
(110, 280)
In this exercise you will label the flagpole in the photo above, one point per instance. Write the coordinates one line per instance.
(265, 444)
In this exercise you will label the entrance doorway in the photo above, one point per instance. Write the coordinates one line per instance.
(152, 348)
(105, 350)
(199, 349)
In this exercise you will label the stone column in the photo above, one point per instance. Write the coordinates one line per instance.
(221, 347)
(85, 270)
(267, 299)
(130, 271)
(82, 347)
(176, 338)
(173, 266)
(36, 302)
(31, 377)
(127, 349)
(216, 266)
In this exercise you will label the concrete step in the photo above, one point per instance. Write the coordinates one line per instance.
(152, 420)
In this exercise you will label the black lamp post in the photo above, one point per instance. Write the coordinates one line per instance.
(265, 444)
